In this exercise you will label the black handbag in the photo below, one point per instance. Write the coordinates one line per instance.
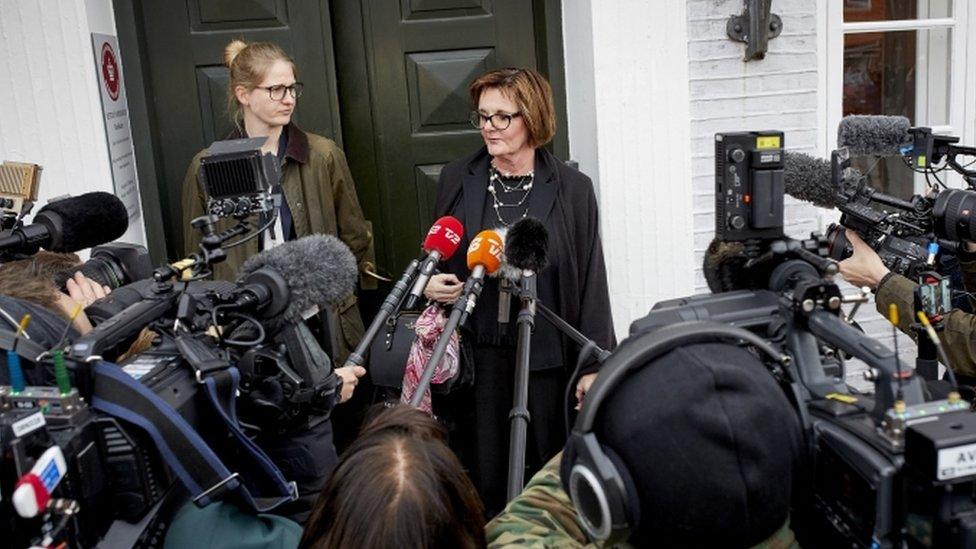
(389, 351)
(388, 355)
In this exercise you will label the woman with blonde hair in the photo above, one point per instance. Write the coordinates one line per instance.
(318, 196)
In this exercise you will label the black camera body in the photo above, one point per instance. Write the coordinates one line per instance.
(907, 234)
(749, 185)
(237, 177)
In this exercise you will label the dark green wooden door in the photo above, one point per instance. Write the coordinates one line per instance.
(183, 44)
(403, 68)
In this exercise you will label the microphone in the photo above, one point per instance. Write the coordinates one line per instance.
(290, 282)
(809, 179)
(442, 241)
(877, 135)
(484, 256)
(526, 247)
(69, 225)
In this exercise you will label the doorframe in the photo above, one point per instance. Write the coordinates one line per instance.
(142, 118)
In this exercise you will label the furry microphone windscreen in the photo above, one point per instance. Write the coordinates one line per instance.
(80, 222)
(319, 270)
(874, 134)
(527, 245)
(809, 179)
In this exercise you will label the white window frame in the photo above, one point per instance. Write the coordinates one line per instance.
(831, 29)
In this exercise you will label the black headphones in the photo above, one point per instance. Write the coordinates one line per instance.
(595, 478)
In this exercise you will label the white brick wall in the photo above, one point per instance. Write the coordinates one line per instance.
(779, 92)
(50, 109)
(728, 94)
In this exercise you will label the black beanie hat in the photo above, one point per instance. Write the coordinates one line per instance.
(710, 441)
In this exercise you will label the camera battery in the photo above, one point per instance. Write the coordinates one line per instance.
(943, 449)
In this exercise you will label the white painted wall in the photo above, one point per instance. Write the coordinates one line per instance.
(626, 77)
(50, 109)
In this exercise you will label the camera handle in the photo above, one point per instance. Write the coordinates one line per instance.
(831, 329)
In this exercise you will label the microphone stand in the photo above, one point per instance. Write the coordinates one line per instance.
(463, 306)
(387, 309)
(519, 416)
(572, 333)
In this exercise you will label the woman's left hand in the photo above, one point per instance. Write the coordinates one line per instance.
(582, 387)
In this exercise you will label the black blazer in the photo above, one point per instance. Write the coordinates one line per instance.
(563, 199)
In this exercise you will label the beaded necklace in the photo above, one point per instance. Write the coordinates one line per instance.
(522, 184)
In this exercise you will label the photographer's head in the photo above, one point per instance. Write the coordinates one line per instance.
(397, 485)
(694, 449)
(37, 279)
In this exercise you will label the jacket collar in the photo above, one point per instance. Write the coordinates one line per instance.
(297, 148)
(475, 189)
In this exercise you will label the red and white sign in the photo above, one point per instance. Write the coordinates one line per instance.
(110, 71)
(118, 134)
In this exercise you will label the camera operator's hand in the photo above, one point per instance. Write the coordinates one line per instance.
(85, 290)
(582, 387)
(350, 378)
(864, 267)
(444, 288)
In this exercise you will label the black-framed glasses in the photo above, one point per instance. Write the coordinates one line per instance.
(499, 120)
(277, 93)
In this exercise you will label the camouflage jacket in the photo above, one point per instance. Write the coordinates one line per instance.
(543, 516)
(958, 327)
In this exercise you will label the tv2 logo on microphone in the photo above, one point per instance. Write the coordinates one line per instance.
(493, 248)
(451, 236)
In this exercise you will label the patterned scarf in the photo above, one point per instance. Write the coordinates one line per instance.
(429, 326)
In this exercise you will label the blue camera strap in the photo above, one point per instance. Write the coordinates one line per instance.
(190, 458)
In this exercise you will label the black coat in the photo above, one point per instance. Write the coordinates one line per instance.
(563, 199)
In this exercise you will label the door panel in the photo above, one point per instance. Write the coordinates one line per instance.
(420, 57)
(184, 46)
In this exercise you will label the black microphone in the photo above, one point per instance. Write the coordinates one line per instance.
(809, 179)
(526, 249)
(70, 224)
(878, 135)
(526, 246)
(292, 281)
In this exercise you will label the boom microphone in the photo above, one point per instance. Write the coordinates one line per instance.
(442, 241)
(290, 281)
(69, 225)
(809, 179)
(877, 135)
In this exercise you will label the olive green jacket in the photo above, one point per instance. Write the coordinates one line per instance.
(318, 186)
(543, 516)
(958, 334)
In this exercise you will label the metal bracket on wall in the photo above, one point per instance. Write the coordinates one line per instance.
(756, 27)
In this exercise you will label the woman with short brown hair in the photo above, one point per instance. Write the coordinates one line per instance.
(510, 178)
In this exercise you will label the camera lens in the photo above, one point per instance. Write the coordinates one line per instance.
(953, 213)
(838, 247)
(104, 270)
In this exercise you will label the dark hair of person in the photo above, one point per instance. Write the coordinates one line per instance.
(397, 485)
(530, 91)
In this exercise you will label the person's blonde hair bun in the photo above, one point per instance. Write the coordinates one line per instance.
(235, 47)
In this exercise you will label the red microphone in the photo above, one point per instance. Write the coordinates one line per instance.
(443, 239)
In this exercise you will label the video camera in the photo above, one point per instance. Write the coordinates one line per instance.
(906, 234)
(888, 469)
(230, 364)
